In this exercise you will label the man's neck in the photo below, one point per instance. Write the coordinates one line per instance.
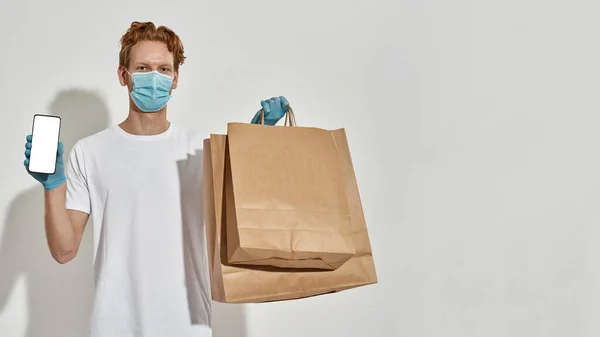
(146, 123)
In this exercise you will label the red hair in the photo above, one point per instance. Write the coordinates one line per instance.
(147, 31)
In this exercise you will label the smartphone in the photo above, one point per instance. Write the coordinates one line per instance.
(45, 136)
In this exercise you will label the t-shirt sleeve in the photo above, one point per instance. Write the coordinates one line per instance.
(78, 194)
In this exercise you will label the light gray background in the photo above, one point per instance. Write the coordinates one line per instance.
(472, 125)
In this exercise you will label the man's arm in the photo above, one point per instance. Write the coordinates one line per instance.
(64, 228)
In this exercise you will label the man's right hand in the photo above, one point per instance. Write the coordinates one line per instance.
(49, 181)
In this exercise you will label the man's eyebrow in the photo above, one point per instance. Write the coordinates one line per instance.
(146, 64)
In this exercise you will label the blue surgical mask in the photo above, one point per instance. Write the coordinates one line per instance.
(151, 90)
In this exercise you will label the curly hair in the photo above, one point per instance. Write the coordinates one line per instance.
(147, 31)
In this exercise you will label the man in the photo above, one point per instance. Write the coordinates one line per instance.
(140, 181)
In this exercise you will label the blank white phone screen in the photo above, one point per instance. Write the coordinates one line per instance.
(44, 144)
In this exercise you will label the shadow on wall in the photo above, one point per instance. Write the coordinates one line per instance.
(228, 320)
(60, 296)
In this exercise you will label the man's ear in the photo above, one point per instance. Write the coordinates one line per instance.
(123, 76)
(175, 79)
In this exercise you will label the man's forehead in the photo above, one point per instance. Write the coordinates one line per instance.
(151, 52)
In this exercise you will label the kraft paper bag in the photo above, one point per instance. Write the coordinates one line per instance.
(286, 200)
(254, 284)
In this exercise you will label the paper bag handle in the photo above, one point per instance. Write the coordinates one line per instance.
(289, 117)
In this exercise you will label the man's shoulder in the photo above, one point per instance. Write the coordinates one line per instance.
(193, 138)
(97, 139)
(188, 132)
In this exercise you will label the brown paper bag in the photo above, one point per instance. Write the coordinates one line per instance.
(287, 205)
(253, 284)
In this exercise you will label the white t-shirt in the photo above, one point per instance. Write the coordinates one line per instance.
(144, 195)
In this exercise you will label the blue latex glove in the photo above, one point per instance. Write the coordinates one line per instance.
(49, 181)
(275, 108)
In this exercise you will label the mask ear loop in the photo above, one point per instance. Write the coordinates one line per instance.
(130, 76)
